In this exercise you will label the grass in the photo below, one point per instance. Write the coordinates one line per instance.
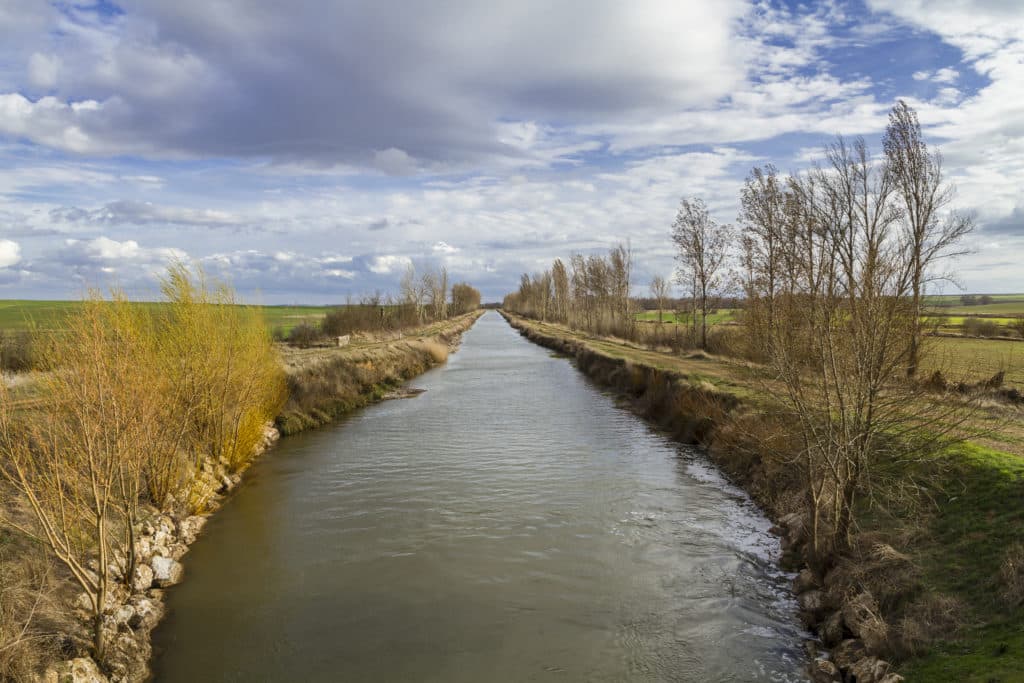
(721, 315)
(978, 359)
(19, 314)
(979, 516)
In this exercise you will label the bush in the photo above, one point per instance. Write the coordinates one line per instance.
(16, 351)
(304, 336)
(980, 327)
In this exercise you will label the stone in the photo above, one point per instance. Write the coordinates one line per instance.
(891, 678)
(846, 653)
(812, 602)
(178, 551)
(123, 615)
(147, 614)
(147, 528)
(84, 602)
(831, 629)
(81, 670)
(142, 579)
(167, 572)
(869, 670)
(824, 671)
(160, 551)
(143, 549)
(190, 527)
(805, 581)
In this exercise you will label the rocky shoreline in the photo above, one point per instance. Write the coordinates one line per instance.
(846, 630)
(163, 537)
(135, 607)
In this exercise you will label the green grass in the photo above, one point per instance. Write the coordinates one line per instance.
(19, 314)
(980, 514)
(721, 315)
(970, 359)
(1002, 304)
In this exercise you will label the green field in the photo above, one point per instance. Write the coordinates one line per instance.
(961, 358)
(720, 315)
(20, 314)
(1011, 305)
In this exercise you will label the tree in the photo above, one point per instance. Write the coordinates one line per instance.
(763, 223)
(840, 338)
(465, 298)
(562, 291)
(930, 237)
(660, 292)
(702, 247)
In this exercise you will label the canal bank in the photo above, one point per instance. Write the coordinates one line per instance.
(324, 385)
(703, 402)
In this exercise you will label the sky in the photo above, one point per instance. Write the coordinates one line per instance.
(308, 151)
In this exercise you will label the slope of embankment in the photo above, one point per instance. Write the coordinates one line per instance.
(930, 593)
(323, 384)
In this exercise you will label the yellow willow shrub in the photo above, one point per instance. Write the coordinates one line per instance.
(224, 363)
(78, 460)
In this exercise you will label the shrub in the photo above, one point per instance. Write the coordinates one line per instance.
(16, 351)
(303, 335)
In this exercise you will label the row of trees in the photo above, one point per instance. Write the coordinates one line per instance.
(135, 399)
(422, 298)
(834, 264)
(593, 293)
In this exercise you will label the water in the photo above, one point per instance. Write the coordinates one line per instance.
(510, 524)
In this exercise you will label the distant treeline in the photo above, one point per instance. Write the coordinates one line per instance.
(423, 298)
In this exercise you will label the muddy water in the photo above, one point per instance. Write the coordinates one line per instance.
(509, 524)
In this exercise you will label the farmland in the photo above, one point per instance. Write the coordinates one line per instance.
(19, 314)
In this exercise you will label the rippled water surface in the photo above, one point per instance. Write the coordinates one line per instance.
(510, 524)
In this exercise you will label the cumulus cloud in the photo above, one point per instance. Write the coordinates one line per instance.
(10, 253)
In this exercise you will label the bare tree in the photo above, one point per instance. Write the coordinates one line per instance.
(930, 236)
(702, 247)
(561, 293)
(660, 293)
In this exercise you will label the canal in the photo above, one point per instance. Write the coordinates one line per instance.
(509, 524)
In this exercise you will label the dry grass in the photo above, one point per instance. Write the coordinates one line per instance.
(1011, 575)
(437, 351)
(32, 619)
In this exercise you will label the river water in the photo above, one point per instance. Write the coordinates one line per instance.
(510, 524)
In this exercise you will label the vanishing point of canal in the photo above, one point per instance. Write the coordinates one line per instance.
(510, 524)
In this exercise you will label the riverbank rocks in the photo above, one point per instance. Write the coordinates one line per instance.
(824, 671)
(166, 571)
(81, 670)
(805, 581)
(142, 578)
(189, 528)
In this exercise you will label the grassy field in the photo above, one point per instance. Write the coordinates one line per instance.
(962, 358)
(19, 314)
(721, 315)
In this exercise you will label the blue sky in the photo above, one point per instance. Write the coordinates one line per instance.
(308, 151)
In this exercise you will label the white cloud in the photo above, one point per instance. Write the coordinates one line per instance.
(43, 69)
(10, 253)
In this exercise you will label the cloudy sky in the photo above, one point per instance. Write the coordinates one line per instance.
(308, 150)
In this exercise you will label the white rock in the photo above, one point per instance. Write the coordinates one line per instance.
(81, 670)
(167, 572)
(190, 527)
(143, 578)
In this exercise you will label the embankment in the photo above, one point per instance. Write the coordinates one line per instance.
(700, 400)
(323, 384)
(329, 383)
